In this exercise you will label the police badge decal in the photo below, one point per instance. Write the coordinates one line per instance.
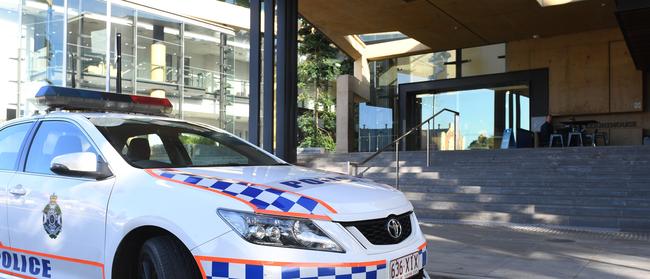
(52, 219)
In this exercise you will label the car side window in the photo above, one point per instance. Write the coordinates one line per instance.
(11, 138)
(55, 138)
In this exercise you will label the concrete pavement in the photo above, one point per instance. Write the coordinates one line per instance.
(499, 251)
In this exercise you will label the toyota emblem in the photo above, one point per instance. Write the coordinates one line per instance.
(394, 228)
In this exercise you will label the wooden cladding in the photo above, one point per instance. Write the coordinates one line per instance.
(626, 81)
(589, 73)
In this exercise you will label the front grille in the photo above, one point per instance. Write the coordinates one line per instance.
(376, 231)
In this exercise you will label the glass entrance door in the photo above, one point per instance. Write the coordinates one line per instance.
(484, 115)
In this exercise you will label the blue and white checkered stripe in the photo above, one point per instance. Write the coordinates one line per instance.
(260, 196)
(423, 256)
(361, 272)
(225, 270)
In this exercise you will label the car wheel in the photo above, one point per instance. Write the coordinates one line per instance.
(164, 257)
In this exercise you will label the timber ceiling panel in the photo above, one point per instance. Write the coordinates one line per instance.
(449, 24)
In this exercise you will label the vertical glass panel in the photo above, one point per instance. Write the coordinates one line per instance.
(525, 112)
(9, 16)
(202, 74)
(159, 57)
(383, 79)
(386, 75)
(375, 127)
(86, 44)
(236, 62)
(484, 114)
(43, 31)
(484, 60)
(123, 22)
(430, 66)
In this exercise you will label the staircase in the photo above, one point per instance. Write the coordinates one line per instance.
(601, 187)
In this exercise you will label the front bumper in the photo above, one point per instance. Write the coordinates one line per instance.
(229, 256)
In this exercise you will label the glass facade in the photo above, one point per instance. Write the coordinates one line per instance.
(377, 117)
(10, 14)
(202, 68)
(484, 114)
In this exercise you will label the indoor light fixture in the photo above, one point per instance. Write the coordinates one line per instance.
(546, 3)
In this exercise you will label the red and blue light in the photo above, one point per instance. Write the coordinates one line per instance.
(56, 97)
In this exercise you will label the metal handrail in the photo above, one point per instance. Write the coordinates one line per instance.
(397, 141)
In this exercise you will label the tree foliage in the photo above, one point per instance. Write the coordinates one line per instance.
(482, 142)
(318, 66)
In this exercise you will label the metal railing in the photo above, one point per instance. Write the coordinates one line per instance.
(353, 167)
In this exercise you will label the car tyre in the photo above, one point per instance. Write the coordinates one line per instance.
(164, 257)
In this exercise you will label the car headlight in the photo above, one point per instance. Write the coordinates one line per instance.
(279, 231)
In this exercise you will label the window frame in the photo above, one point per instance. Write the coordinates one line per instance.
(27, 148)
(21, 148)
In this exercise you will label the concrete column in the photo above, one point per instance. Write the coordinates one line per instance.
(158, 59)
(344, 103)
(349, 91)
(362, 69)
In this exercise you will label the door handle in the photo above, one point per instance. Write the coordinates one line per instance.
(18, 190)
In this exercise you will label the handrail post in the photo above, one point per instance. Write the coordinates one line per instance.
(428, 143)
(397, 165)
(456, 129)
(369, 141)
(377, 143)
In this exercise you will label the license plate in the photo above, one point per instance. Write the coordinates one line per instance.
(406, 266)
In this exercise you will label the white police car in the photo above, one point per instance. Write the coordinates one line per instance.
(96, 195)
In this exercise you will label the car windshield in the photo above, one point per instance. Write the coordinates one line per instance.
(159, 143)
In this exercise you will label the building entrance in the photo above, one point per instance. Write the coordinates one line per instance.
(487, 106)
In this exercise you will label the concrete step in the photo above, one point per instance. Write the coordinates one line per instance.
(533, 191)
(598, 187)
(586, 181)
(531, 209)
(547, 199)
(624, 224)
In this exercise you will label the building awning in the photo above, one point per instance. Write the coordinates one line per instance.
(450, 24)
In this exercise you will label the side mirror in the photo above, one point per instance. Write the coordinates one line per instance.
(81, 164)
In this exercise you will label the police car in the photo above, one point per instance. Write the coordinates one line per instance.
(124, 192)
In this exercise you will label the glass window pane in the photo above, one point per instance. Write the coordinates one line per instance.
(202, 74)
(430, 66)
(202, 146)
(375, 127)
(142, 148)
(43, 28)
(484, 114)
(236, 62)
(159, 57)
(11, 139)
(206, 151)
(55, 138)
(9, 17)
(87, 44)
(484, 60)
(123, 23)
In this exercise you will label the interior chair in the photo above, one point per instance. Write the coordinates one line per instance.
(574, 135)
(551, 141)
(593, 138)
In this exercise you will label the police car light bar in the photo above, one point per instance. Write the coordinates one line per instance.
(55, 97)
